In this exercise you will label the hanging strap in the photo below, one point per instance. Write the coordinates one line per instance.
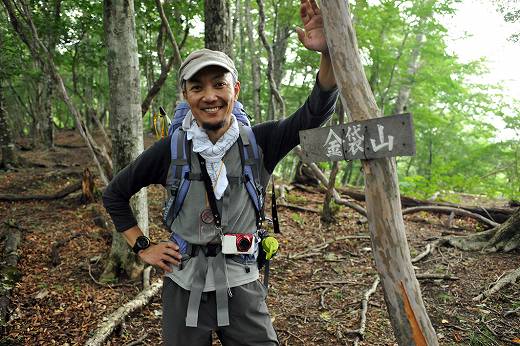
(209, 190)
(274, 211)
(199, 280)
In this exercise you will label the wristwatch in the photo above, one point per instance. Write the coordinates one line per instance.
(142, 242)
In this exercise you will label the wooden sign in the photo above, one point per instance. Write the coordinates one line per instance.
(368, 139)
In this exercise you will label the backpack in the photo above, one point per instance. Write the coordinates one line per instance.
(180, 176)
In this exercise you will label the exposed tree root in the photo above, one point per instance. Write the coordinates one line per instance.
(106, 328)
(429, 249)
(510, 278)
(505, 237)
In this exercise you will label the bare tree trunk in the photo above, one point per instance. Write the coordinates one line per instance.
(255, 65)
(166, 67)
(6, 140)
(279, 58)
(327, 214)
(402, 292)
(45, 117)
(43, 114)
(125, 123)
(270, 59)
(218, 26)
(406, 85)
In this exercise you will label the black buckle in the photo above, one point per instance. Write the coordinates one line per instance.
(211, 250)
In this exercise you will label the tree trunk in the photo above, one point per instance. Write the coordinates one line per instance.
(6, 140)
(125, 122)
(42, 122)
(165, 66)
(408, 315)
(270, 64)
(327, 215)
(255, 64)
(218, 26)
(279, 59)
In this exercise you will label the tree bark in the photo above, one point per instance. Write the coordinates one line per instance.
(125, 123)
(218, 26)
(408, 315)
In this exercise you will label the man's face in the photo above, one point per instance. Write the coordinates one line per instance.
(211, 95)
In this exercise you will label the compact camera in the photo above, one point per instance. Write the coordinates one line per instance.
(238, 244)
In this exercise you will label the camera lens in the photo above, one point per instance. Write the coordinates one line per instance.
(243, 243)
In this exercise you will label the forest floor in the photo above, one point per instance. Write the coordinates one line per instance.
(313, 300)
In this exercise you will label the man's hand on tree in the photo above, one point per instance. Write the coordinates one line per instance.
(161, 255)
(312, 36)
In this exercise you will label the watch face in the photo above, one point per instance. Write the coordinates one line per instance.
(143, 242)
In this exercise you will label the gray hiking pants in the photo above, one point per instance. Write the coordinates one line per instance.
(249, 321)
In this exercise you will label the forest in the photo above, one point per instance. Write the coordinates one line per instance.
(86, 86)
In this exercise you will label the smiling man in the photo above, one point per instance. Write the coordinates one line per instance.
(210, 86)
(211, 277)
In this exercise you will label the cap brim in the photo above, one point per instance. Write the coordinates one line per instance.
(192, 71)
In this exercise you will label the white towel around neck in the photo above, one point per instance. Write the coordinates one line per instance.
(212, 153)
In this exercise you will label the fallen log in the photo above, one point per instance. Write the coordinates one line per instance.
(60, 194)
(110, 323)
(449, 210)
(9, 274)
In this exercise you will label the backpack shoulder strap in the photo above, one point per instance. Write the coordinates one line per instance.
(178, 179)
(250, 157)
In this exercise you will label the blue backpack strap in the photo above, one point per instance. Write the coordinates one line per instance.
(178, 116)
(250, 157)
(177, 181)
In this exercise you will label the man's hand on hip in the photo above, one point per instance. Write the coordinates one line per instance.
(161, 255)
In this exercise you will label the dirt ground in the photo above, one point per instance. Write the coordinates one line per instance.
(314, 299)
